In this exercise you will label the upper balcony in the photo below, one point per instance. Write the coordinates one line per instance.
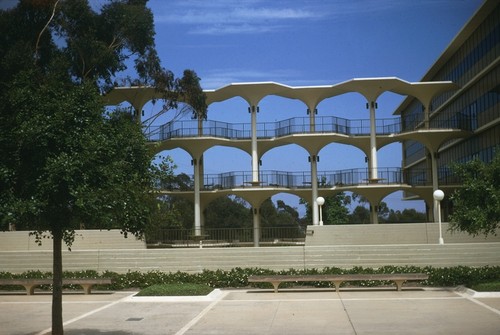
(293, 126)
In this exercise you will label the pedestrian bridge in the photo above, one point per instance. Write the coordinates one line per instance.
(426, 128)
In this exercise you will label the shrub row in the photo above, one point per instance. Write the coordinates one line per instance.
(237, 277)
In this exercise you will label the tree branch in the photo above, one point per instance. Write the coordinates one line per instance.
(43, 30)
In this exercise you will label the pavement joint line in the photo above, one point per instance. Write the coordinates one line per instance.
(347, 313)
(48, 330)
(195, 320)
(468, 297)
(50, 302)
(274, 315)
(348, 299)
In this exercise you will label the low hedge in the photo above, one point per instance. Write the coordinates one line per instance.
(237, 277)
(184, 289)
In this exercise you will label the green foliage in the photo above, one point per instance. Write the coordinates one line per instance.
(360, 215)
(406, 215)
(335, 210)
(476, 205)
(487, 287)
(175, 290)
(73, 165)
(462, 275)
(192, 94)
(227, 212)
(65, 162)
(238, 277)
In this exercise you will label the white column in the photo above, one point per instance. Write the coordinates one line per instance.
(373, 214)
(435, 186)
(426, 117)
(314, 186)
(312, 119)
(256, 227)
(197, 203)
(255, 153)
(373, 165)
(201, 170)
(314, 171)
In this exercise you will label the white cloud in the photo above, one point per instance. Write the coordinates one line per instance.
(220, 17)
(272, 13)
(231, 17)
(225, 29)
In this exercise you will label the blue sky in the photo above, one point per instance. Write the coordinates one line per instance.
(303, 42)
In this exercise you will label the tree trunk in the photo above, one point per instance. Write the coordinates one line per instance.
(57, 319)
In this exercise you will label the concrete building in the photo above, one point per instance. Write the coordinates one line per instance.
(472, 61)
(452, 114)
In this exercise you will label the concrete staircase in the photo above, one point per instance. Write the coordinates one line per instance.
(383, 234)
(276, 258)
(466, 254)
(329, 246)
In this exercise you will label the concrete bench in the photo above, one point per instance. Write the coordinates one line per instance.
(31, 284)
(338, 279)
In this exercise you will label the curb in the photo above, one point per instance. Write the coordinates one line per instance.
(474, 294)
(212, 296)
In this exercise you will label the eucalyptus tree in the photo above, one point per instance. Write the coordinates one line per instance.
(65, 160)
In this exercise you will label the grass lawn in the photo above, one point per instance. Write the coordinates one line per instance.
(487, 287)
(175, 290)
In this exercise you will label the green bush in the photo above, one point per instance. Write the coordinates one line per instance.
(238, 277)
(175, 290)
(487, 287)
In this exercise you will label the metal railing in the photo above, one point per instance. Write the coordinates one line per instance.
(326, 179)
(423, 177)
(298, 125)
(225, 237)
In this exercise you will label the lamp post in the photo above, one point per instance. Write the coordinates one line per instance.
(320, 201)
(438, 196)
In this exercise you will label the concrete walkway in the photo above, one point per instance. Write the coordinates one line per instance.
(294, 311)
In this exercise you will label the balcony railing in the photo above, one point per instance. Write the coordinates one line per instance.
(326, 179)
(225, 237)
(299, 125)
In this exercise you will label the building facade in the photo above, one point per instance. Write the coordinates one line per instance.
(472, 61)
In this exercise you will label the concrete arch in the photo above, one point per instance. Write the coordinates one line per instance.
(349, 156)
(232, 156)
(294, 150)
(370, 88)
(227, 108)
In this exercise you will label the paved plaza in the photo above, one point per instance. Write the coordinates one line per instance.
(254, 311)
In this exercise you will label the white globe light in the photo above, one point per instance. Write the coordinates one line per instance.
(438, 195)
(320, 201)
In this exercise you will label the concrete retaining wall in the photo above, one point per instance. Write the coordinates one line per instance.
(370, 234)
(84, 240)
